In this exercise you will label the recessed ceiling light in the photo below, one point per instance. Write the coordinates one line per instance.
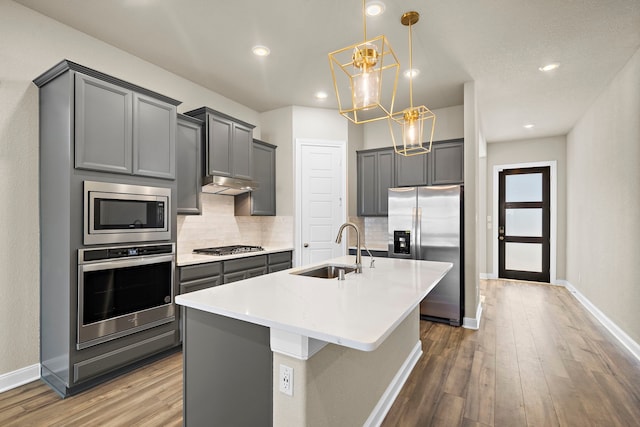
(374, 8)
(549, 67)
(321, 95)
(411, 73)
(260, 50)
(529, 126)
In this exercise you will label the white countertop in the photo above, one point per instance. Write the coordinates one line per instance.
(359, 312)
(190, 258)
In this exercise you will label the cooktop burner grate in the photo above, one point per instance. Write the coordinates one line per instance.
(228, 250)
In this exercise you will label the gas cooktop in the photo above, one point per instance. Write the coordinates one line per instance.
(228, 250)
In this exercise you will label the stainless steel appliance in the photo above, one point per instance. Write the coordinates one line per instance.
(121, 213)
(122, 290)
(228, 250)
(427, 223)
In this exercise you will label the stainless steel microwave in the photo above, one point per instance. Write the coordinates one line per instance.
(121, 213)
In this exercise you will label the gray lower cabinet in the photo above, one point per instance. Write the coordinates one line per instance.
(375, 175)
(279, 261)
(188, 161)
(228, 378)
(227, 144)
(200, 276)
(123, 131)
(261, 201)
(244, 268)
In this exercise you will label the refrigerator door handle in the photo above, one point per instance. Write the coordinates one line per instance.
(417, 227)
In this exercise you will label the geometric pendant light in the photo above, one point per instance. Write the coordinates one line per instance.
(365, 78)
(408, 126)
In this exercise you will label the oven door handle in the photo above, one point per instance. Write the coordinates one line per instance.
(128, 262)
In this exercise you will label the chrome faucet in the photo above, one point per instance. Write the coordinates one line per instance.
(358, 255)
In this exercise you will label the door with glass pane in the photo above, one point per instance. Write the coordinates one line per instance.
(524, 224)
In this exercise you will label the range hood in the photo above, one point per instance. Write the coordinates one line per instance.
(215, 184)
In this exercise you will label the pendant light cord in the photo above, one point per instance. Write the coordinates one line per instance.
(410, 69)
(364, 19)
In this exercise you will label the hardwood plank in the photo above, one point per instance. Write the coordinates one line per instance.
(480, 397)
(449, 411)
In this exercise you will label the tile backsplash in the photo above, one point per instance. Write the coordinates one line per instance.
(217, 226)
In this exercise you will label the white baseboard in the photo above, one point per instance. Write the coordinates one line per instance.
(389, 396)
(19, 377)
(488, 276)
(473, 322)
(618, 333)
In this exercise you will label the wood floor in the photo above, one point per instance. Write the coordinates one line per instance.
(539, 359)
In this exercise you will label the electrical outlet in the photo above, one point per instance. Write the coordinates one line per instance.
(286, 380)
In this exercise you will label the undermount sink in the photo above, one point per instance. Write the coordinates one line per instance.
(327, 271)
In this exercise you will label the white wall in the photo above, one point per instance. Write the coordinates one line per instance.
(529, 151)
(449, 125)
(472, 143)
(31, 44)
(603, 204)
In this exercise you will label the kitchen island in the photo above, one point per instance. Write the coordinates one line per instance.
(350, 343)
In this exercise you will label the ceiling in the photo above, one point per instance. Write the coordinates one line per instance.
(499, 44)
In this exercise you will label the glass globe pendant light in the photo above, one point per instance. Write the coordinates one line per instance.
(365, 78)
(411, 121)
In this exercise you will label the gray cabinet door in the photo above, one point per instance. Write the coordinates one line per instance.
(412, 171)
(188, 142)
(242, 152)
(263, 200)
(386, 170)
(218, 149)
(103, 126)
(154, 138)
(447, 163)
(367, 165)
(376, 174)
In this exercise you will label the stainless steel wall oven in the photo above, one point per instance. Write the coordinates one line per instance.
(119, 213)
(123, 290)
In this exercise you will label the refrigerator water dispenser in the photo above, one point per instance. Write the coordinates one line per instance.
(402, 242)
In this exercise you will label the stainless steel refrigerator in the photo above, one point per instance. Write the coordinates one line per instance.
(427, 223)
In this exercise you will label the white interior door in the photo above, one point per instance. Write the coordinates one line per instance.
(321, 194)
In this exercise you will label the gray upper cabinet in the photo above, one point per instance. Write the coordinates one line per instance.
(263, 200)
(104, 124)
(376, 173)
(154, 137)
(242, 152)
(228, 144)
(447, 162)
(442, 166)
(381, 169)
(189, 136)
(120, 130)
(218, 148)
(412, 171)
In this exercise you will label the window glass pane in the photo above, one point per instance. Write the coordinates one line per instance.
(523, 222)
(523, 257)
(523, 188)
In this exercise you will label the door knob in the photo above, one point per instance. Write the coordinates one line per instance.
(306, 245)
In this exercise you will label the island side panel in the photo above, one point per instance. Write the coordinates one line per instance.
(340, 385)
(227, 371)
